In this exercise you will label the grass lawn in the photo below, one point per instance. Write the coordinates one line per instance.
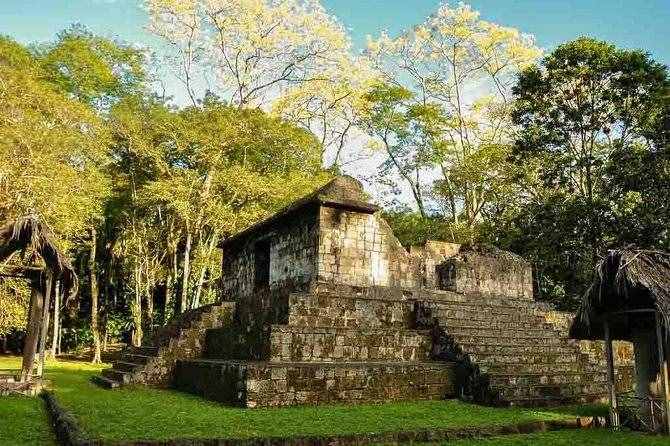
(23, 420)
(144, 413)
(152, 414)
(570, 438)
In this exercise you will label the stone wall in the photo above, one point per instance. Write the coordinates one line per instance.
(432, 254)
(623, 352)
(497, 273)
(331, 310)
(287, 384)
(346, 345)
(360, 249)
(292, 244)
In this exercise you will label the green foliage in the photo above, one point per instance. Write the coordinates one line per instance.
(596, 167)
(94, 69)
(14, 300)
(52, 149)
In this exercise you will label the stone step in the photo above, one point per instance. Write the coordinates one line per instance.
(448, 297)
(477, 348)
(105, 382)
(117, 375)
(560, 391)
(549, 401)
(136, 358)
(495, 325)
(262, 383)
(129, 367)
(145, 350)
(537, 334)
(485, 315)
(521, 369)
(530, 379)
(494, 339)
(495, 359)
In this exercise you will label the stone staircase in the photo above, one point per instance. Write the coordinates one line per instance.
(182, 338)
(318, 347)
(511, 353)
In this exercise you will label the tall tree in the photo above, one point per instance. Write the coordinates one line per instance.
(290, 56)
(589, 115)
(464, 66)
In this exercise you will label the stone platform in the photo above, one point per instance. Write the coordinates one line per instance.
(264, 383)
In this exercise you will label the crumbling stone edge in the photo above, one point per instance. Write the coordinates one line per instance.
(63, 423)
(69, 433)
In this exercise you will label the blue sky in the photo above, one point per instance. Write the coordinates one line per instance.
(634, 24)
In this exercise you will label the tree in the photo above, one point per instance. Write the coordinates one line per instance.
(586, 116)
(94, 69)
(290, 56)
(410, 134)
(464, 66)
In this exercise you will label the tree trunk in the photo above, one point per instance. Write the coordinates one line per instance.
(136, 311)
(56, 322)
(32, 329)
(94, 298)
(186, 272)
(45, 326)
(201, 280)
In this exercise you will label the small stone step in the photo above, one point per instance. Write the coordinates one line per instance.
(515, 349)
(144, 350)
(522, 369)
(497, 358)
(136, 358)
(531, 336)
(129, 367)
(105, 382)
(117, 375)
(495, 325)
(550, 391)
(498, 339)
(530, 379)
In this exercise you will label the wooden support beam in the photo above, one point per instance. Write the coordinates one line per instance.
(614, 411)
(32, 330)
(663, 367)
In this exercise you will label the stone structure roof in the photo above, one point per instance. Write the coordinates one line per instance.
(342, 192)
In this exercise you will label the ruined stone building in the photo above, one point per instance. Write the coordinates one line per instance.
(324, 305)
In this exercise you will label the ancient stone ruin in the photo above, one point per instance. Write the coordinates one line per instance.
(324, 305)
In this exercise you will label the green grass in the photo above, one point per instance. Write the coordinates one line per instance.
(23, 420)
(144, 413)
(152, 414)
(600, 437)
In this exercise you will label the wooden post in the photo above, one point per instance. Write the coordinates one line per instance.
(56, 323)
(45, 325)
(33, 328)
(663, 367)
(614, 412)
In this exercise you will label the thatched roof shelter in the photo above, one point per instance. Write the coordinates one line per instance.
(627, 282)
(30, 234)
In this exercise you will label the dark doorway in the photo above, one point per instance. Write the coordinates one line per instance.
(262, 264)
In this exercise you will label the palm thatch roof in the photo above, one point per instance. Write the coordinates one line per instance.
(626, 280)
(30, 234)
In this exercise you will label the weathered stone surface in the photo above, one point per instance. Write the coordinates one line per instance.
(262, 384)
(330, 307)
